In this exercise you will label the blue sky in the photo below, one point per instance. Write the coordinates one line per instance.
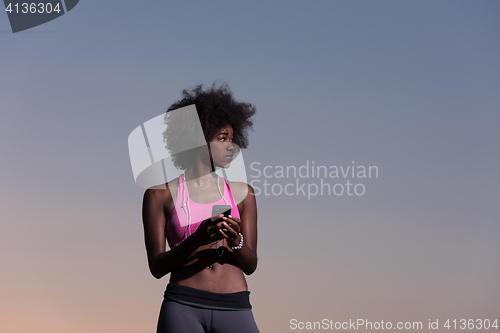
(411, 87)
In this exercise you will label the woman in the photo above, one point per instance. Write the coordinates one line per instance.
(208, 256)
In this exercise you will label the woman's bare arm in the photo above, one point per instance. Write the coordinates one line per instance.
(247, 225)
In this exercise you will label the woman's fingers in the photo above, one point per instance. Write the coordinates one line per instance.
(234, 217)
(214, 227)
(228, 228)
(221, 231)
(229, 232)
(217, 217)
(209, 223)
(237, 220)
(233, 222)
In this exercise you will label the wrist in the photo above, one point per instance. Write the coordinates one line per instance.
(232, 242)
(237, 244)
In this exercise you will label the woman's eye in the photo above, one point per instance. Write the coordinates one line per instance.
(224, 138)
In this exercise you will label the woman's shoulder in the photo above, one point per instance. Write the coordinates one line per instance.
(163, 192)
(240, 190)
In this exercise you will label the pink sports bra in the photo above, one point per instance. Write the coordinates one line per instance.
(177, 225)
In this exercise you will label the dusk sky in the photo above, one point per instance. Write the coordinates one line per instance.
(408, 88)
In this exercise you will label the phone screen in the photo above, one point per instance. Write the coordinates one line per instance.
(221, 209)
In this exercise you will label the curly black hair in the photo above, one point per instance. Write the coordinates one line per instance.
(216, 108)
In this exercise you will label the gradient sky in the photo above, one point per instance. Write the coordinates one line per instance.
(409, 87)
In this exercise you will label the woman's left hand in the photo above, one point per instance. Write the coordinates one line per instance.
(230, 228)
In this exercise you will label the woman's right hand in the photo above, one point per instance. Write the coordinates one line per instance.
(208, 231)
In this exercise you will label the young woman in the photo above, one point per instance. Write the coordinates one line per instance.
(208, 256)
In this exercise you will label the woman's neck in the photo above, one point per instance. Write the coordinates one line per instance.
(199, 174)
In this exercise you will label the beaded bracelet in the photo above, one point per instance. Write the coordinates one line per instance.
(240, 245)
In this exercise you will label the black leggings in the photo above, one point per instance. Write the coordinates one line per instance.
(181, 318)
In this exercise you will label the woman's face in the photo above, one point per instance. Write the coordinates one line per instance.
(221, 147)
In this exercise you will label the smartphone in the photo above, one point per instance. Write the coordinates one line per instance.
(221, 209)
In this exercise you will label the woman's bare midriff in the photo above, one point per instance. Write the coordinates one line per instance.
(211, 269)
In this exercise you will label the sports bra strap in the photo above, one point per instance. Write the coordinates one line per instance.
(233, 204)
